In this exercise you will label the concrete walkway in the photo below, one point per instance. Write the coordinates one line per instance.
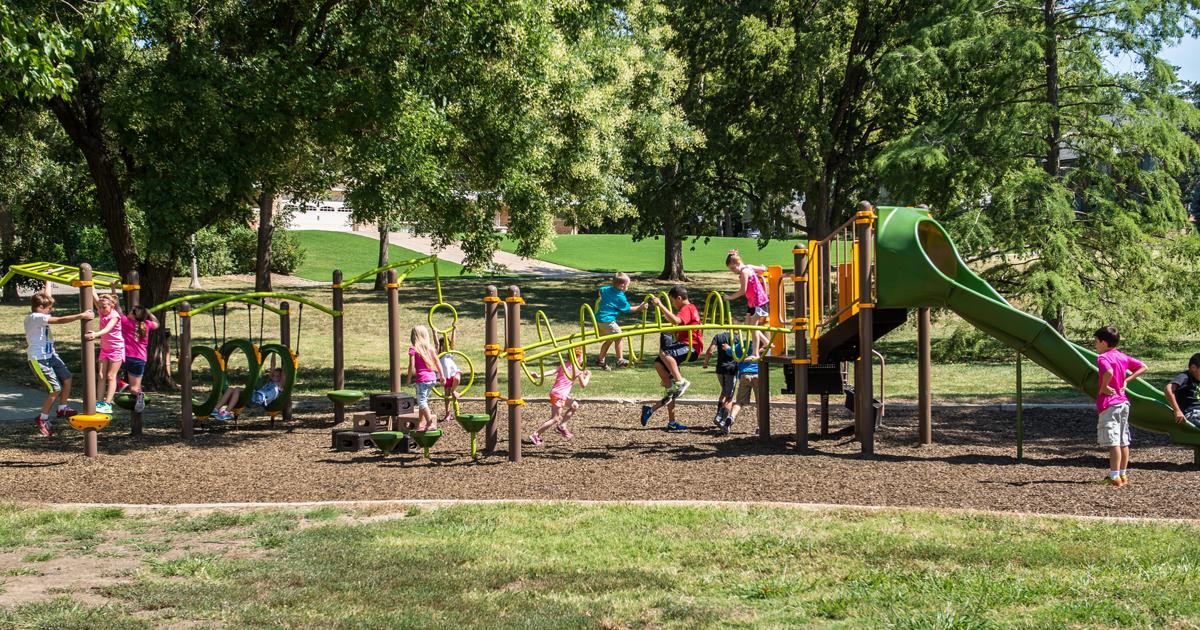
(19, 403)
(502, 261)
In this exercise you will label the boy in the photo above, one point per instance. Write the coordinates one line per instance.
(46, 363)
(613, 303)
(747, 375)
(727, 370)
(261, 397)
(673, 349)
(1111, 403)
(1182, 394)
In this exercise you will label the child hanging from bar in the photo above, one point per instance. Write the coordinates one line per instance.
(562, 404)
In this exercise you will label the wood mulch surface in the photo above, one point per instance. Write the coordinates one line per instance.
(971, 465)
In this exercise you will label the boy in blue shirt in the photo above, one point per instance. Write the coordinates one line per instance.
(614, 303)
(747, 377)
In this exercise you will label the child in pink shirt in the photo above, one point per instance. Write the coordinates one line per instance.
(750, 285)
(560, 397)
(1112, 404)
(424, 371)
(136, 332)
(112, 348)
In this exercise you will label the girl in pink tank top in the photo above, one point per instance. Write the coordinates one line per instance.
(112, 348)
(750, 285)
(562, 405)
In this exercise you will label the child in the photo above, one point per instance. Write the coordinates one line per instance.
(560, 398)
(46, 363)
(112, 348)
(726, 373)
(261, 397)
(424, 370)
(451, 372)
(613, 303)
(136, 333)
(749, 285)
(1111, 403)
(680, 347)
(1183, 396)
(747, 377)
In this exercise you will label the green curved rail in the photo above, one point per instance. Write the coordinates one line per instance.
(250, 298)
(646, 331)
(411, 263)
(212, 296)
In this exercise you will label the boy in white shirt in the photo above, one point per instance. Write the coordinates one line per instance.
(44, 361)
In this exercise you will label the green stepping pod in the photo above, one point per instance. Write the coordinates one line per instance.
(473, 423)
(387, 440)
(426, 439)
(345, 396)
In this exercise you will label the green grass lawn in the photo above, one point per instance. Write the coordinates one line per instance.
(353, 254)
(614, 566)
(619, 252)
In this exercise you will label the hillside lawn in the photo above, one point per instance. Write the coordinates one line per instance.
(619, 252)
(354, 254)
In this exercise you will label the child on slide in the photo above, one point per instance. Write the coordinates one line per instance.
(750, 286)
(424, 371)
(112, 348)
(261, 397)
(136, 332)
(453, 375)
(562, 404)
(1112, 404)
(46, 364)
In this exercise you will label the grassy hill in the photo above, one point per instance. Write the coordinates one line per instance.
(619, 252)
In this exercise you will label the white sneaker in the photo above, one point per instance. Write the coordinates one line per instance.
(139, 404)
(679, 388)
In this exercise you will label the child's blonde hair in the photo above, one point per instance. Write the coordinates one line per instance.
(105, 297)
(422, 340)
(620, 277)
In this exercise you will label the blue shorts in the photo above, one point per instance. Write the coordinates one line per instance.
(52, 372)
(134, 367)
(423, 391)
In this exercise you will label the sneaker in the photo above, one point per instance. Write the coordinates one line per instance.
(66, 412)
(225, 416)
(679, 388)
(1112, 481)
(1124, 480)
(103, 407)
(214, 414)
(717, 420)
(725, 424)
(43, 425)
(647, 411)
(563, 431)
(675, 426)
(536, 439)
(139, 403)
(603, 365)
(622, 363)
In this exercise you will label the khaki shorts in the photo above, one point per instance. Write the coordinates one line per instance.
(746, 384)
(1113, 427)
(610, 328)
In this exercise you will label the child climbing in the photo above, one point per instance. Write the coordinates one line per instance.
(112, 348)
(613, 303)
(136, 333)
(747, 370)
(46, 363)
(424, 371)
(453, 375)
(562, 404)
(1112, 404)
(675, 349)
(1183, 396)
(727, 369)
(750, 286)
(261, 397)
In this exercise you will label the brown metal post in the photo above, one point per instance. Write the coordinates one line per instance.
(285, 338)
(133, 295)
(339, 363)
(864, 411)
(185, 369)
(512, 343)
(491, 368)
(924, 377)
(90, 447)
(800, 325)
(394, 330)
(762, 395)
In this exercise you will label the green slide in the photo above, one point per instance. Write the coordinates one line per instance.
(918, 265)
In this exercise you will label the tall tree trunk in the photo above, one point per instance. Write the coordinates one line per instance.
(266, 230)
(727, 223)
(8, 238)
(672, 246)
(381, 278)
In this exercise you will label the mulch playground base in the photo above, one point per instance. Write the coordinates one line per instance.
(612, 457)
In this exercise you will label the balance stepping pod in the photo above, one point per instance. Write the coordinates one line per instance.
(387, 440)
(345, 396)
(426, 439)
(473, 423)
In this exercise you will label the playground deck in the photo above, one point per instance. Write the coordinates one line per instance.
(612, 458)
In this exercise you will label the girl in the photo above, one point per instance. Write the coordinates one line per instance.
(451, 372)
(424, 370)
(112, 348)
(560, 397)
(749, 285)
(136, 333)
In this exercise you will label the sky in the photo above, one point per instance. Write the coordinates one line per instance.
(1187, 56)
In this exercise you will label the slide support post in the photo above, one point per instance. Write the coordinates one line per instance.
(864, 411)
(1020, 412)
(800, 323)
(924, 377)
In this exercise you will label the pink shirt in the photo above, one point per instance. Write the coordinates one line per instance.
(1118, 363)
(135, 348)
(756, 292)
(425, 372)
(563, 380)
(112, 342)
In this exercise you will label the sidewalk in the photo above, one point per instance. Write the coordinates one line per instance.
(19, 403)
(504, 261)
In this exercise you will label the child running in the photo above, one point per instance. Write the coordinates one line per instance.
(727, 369)
(562, 404)
(614, 303)
(424, 371)
(261, 397)
(747, 370)
(46, 363)
(750, 286)
(112, 348)
(453, 375)
(136, 332)
(674, 349)
(1183, 396)
(1112, 404)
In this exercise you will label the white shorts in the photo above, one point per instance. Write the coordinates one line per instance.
(610, 328)
(1113, 428)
